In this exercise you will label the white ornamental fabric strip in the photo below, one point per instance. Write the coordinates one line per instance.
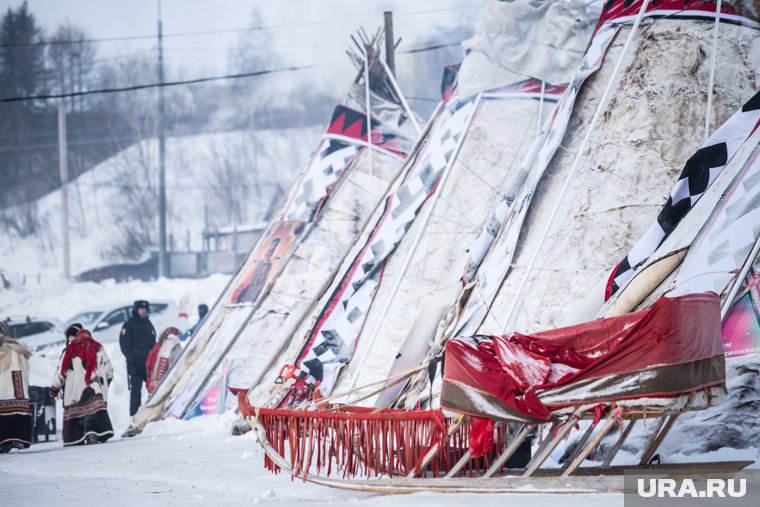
(333, 338)
(305, 199)
(496, 264)
(722, 246)
(479, 249)
(324, 170)
(698, 174)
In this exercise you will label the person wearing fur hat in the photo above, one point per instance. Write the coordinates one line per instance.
(84, 373)
(15, 416)
(138, 336)
(71, 332)
(162, 357)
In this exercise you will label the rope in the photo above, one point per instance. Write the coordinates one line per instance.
(712, 71)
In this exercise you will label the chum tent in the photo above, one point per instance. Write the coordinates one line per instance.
(307, 238)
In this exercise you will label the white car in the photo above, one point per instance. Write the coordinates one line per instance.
(36, 333)
(105, 323)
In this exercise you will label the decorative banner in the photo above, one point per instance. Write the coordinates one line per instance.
(625, 11)
(449, 81)
(726, 240)
(741, 327)
(332, 339)
(223, 325)
(530, 88)
(266, 260)
(698, 174)
(325, 168)
(344, 137)
(351, 125)
(213, 401)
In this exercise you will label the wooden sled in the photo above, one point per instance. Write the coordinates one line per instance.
(445, 465)
(654, 364)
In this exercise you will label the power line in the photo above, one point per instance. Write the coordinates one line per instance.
(431, 48)
(155, 85)
(143, 37)
(424, 99)
(200, 80)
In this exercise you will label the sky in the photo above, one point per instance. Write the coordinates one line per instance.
(304, 31)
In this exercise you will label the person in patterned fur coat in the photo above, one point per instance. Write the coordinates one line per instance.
(15, 416)
(85, 372)
(162, 357)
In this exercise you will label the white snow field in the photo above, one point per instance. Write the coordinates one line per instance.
(199, 462)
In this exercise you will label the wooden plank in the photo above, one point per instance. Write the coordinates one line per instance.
(608, 423)
(578, 446)
(653, 435)
(510, 450)
(459, 464)
(434, 450)
(619, 444)
(717, 467)
(658, 440)
(541, 456)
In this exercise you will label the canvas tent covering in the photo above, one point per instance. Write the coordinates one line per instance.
(624, 173)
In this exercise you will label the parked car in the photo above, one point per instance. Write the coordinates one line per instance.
(36, 333)
(105, 322)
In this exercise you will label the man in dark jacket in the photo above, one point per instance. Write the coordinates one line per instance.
(136, 340)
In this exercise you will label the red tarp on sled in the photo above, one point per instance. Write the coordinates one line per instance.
(672, 348)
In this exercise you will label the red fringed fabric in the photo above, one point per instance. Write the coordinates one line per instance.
(359, 441)
(481, 437)
(355, 440)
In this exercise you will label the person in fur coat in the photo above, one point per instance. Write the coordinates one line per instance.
(85, 373)
(15, 416)
(162, 357)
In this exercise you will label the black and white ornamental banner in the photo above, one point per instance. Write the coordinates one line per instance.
(725, 242)
(332, 340)
(698, 174)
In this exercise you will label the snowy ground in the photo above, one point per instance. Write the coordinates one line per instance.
(197, 463)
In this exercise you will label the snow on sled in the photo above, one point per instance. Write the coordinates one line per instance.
(655, 363)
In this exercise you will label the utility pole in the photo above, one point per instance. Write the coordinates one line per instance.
(62, 154)
(390, 47)
(161, 155)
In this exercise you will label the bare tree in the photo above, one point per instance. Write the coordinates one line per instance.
(136, 167)
(232, 184)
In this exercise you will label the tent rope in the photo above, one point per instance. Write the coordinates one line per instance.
(712, 71)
